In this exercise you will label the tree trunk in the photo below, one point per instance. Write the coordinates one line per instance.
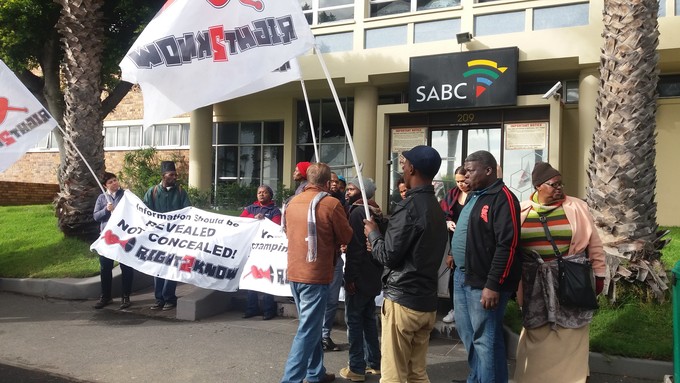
(622, 174)
(80, 26)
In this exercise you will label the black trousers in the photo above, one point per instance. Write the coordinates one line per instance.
(106, 275)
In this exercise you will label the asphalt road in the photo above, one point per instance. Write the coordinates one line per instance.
(55, 341)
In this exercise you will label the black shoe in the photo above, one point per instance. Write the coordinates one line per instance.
(125, 303)
(249, 314)
(325, 379)
(102, 303)
(329, 345)
(157, 306)
(268, 316)
(169, 306)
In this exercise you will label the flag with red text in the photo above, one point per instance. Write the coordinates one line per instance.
(23, 119)
(199, 52)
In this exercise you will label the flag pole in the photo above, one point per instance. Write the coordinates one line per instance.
(347, 132)
(311, 122)
(66, 138)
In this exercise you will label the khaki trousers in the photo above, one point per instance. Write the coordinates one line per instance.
(405, 339)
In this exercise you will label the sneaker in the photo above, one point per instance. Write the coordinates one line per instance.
(157, 306)
(372, 371)
(329, 345)
(169, 306)
(268, 316)
(449, 318)
(125, 303)
(346, 373)
(102, 302)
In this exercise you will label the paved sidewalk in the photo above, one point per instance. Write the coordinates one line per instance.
(68, 341)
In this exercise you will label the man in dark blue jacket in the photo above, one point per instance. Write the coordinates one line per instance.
(485, 251)
(411, 251)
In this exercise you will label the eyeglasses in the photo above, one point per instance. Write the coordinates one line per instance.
(554, 185)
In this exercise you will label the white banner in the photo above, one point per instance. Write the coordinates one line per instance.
(189, 245)
(199, 52)
(23, 119)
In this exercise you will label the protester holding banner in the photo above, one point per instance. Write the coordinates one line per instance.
(334, 288)
(162, 198)
(411, 250)
(103, 207)
(316, 226)
(263, 208)
(362, 284)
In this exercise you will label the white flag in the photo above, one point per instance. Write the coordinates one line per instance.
(199, 52)
(23, 119)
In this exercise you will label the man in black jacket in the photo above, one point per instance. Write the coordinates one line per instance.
(362, 284)
(411, 251)
(485, 250)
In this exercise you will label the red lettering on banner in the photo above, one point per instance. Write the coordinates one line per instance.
(187, 263)
(6, 138)
(218, 45)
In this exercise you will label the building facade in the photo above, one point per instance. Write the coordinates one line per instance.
(405, 75)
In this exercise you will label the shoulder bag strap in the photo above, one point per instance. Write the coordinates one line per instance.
(544, 222)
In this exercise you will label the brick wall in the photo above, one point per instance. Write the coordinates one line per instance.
(41, 167)
(23, 193)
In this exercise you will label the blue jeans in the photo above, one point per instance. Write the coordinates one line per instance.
(164, 290)
(333, 297)
(481, 332)
(268, 304)
(362, 333)
(306, 353)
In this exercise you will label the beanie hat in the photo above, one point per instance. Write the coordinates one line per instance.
(369, 186)
(167, 166)
(342, 179)
(302, 168)
(425, 159)
(542, 172)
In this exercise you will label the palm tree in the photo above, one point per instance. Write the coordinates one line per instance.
(80, 25)
(622, 174)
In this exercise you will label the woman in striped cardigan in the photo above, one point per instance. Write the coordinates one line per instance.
(554, 342)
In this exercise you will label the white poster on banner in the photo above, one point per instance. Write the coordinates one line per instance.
(23, 119)
(188, 245)
(266, 268)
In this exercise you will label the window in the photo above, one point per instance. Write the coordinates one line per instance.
(249, 153)
(336, 42)
(133, 136)
(669, 86)
(394, 7)
(326, 11)
(330, 134)
(561, 16)
(499, 23)
(123, 136)
(385, 37)
(436, 30)
(49, 142)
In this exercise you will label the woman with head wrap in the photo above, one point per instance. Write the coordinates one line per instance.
(553, 345)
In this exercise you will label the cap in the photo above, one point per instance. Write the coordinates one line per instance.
(302, 168)
(425, 159)
(167, 166)
(543, 172)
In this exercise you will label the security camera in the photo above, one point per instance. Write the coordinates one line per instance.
(553, 91)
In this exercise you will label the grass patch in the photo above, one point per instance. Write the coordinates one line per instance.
(32, 246)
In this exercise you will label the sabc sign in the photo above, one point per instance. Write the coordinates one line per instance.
(463, 80)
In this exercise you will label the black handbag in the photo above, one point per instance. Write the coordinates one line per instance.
(575, 281)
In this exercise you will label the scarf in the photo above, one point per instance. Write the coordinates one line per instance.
(311, 227)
